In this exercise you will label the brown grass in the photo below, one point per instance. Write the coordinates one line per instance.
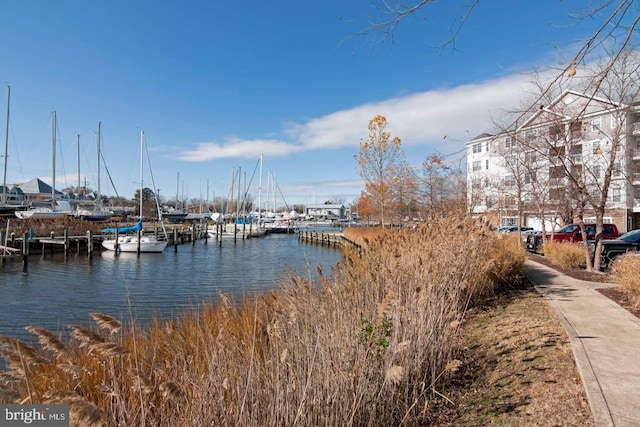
(44, 227)
(369, 345)
(565, 254)
(365, 235)
(626, 271)
(518, 368)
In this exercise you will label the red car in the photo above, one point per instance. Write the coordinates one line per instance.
(571, 233)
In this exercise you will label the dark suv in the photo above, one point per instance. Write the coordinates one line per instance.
(628, 242)
(571, 233)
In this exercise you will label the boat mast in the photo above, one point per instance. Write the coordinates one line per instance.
(178, 191)
(260, 194)
(99, 199)
(53, 159)
(141, 166)
(6, 149)
(78, 135)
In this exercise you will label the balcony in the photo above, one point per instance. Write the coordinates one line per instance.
(635, 154)
(635, 179)
(561, 182)
(635, 128)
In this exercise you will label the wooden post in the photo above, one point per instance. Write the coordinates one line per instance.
(25, 251)
(65, 235)
(175, 239)
(116, 243)
(89, 244)
(193, 233)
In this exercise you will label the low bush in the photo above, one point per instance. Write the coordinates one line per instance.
(626, 271)
(565, 254)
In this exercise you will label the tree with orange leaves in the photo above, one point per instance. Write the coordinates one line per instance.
(379, 157)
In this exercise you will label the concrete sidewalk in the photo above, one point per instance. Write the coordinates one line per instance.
(605, 339)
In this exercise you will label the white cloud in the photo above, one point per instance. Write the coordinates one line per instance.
(424, 118)
(238, 148)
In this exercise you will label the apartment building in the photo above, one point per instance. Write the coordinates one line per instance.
(529, 174)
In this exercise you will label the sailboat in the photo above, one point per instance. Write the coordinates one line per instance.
(8, 209)
(138, 242)
(96, 212)
(59, 208)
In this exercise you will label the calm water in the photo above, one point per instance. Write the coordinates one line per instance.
(55, 292)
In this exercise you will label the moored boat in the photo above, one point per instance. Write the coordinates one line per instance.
(138, 242)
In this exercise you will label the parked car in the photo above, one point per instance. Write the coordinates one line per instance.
(628, 242)
(571, 233)
(513, 229)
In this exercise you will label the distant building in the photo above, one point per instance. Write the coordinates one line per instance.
(36, 190)
(12, 194)
(328, 211)
(520, 167)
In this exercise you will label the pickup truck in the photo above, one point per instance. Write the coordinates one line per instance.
(611, 249)
(571, 233)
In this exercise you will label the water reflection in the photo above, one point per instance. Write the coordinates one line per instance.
(58, 290)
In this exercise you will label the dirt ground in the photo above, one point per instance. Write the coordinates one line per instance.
(517, 365)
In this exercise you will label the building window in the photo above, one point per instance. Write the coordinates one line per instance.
(616, 194)
(556, 172)
(509, 180)
(617, 170)
(509, 143)
(477, 165)
(596, 123)
(530, 136)
(597, 171)
(477, 148)
(556, 152)
(509, 201)
(530, 157)
(556, 132)
(576, 130)
(486, 164)
(614, 121)
(596, 147)
(529, 177)
(637, 193)
(556, 194)
(576, 152)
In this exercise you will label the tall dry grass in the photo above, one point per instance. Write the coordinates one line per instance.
(565, 254)
(364, 345)
(626, 271)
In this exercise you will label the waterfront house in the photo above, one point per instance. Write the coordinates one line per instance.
(326, 211)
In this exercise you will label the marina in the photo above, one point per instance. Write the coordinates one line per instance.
(59, 289)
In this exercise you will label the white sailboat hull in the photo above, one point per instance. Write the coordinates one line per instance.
(148, 244)
(40, 213)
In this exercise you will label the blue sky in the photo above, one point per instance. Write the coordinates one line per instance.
(216, 84)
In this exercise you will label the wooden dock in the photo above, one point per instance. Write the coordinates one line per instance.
(14, 248)
(334, 239)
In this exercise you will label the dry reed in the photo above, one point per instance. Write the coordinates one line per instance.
(565, 254)
(366, 345)
(626, 271)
